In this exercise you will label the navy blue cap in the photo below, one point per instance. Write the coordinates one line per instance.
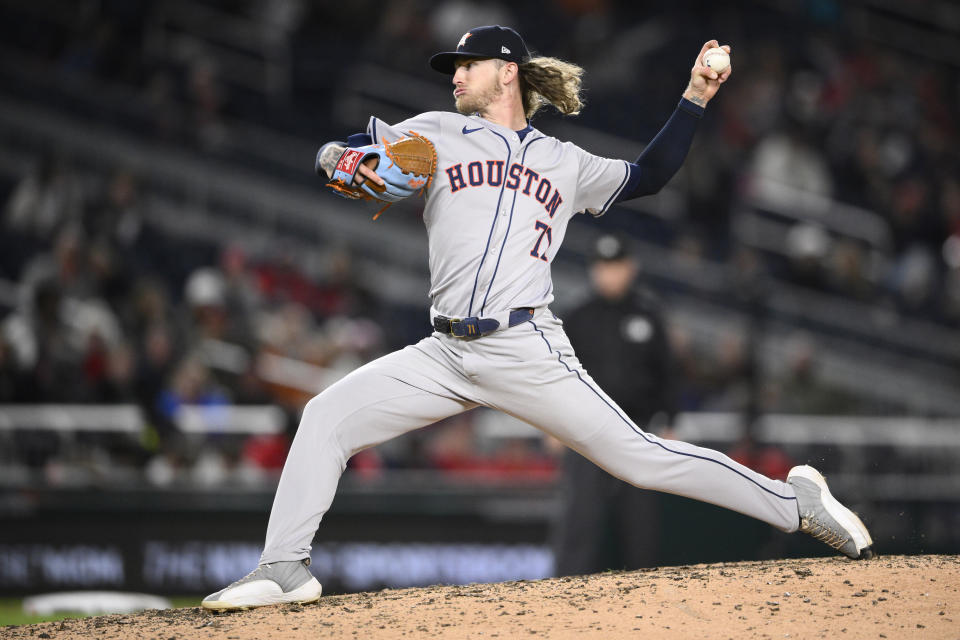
(483, 42)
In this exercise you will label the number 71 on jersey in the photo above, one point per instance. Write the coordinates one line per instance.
(545, 231)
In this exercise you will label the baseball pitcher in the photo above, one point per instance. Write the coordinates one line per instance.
(499, 196)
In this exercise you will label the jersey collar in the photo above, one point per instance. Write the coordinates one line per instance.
(531, 133)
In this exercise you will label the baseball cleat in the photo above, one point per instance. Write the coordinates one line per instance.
(824, 518)
(274, 583)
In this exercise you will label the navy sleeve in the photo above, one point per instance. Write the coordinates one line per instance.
(665, 153)
(359, 140)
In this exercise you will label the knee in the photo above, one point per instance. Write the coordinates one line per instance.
(314, 405)
(319, 423)
(312, 411)
(331, 404)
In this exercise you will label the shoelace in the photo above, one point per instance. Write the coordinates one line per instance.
(245, 578)
(822, 532)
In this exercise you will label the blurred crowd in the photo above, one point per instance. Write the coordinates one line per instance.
(816, 114)
(856, 124)
(106, 308)
(109, 309)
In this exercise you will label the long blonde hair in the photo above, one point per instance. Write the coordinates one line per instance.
(552, 81)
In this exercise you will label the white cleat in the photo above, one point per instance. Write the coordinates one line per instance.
(274, 583)
(824, 518)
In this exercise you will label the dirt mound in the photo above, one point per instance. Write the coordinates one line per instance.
(890, 597)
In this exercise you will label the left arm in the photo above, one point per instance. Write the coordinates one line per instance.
(662, 158)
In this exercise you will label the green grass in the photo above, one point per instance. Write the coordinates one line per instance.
(11, 611)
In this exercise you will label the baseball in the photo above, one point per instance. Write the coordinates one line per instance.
(717, 59)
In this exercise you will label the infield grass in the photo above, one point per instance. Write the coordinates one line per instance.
(11, 611)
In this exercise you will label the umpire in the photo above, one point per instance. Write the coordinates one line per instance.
(620, 336)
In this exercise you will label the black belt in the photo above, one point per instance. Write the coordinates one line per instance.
(475, 327)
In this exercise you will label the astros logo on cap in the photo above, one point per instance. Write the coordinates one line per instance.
(463, 40)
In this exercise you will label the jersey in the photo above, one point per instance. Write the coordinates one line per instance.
(498, 207)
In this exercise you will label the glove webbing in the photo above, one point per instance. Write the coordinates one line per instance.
(433, 164)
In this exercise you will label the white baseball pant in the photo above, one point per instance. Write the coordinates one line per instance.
(529, 372)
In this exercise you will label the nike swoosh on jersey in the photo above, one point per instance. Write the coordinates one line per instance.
(465, 131)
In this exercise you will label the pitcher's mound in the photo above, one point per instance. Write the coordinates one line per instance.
(890, 597)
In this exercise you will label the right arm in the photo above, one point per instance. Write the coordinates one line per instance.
(665, 153)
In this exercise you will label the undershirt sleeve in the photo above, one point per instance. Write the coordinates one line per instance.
(662, 158)
(359, 140)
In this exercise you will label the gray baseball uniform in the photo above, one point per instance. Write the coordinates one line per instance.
(496, 214)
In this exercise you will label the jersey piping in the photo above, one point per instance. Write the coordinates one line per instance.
(639, 431)
(503, 244)
(493, 225)
(616, 192)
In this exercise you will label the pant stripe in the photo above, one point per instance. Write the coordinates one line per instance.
(640, 432)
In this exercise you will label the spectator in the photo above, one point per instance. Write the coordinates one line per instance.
(800, 389)
(789, 158)
(117, 219)
(60, 344)
(190, 384)
(47, 198)
(342, 293)
(848, 272)
(207, 97)
(210, 297)
(11, 379)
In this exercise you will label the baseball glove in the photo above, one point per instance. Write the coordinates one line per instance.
(405, 166)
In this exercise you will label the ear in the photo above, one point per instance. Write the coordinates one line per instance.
(508, 72)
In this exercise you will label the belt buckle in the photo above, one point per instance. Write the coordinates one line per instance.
(450, 322)
(470, 328)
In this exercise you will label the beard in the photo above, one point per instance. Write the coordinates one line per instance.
(476, 102)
